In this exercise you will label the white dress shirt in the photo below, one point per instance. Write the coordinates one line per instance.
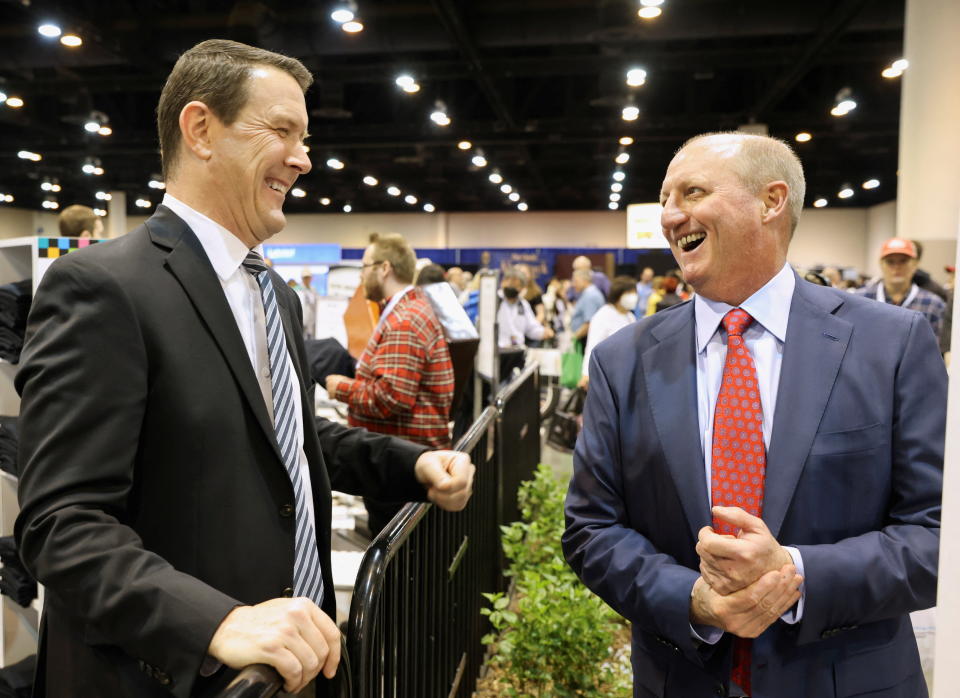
(516, 322)
(604, 323)
(226, 254)
(770, 309)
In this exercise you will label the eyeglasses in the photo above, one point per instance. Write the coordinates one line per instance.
(372, 264)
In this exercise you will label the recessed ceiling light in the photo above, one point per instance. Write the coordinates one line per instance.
(630, 113)
(325, 201)
(622, 158)
(479, 161)
(522, 206)
(410, 199)
(802, 137)
(651, 3)
(871, 184)
(335, 164)
(71, 40)
(352, 27)
(15, 102)
(619, 176)
(393, 191)
(429, 208)
(626, 140)
(614, 197)
(371, 181)
(845, 193)
(464, 145)
(347, 208)
(649, 12)
(820, 203)
(636, 77)
(613, 205)
(341, 15)
(49, 30)
(616, 186)
(298, 192)
(28, 155)
(514, 196)
(495, 177)
(506, 188)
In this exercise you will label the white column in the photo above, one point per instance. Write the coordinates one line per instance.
(117, 215)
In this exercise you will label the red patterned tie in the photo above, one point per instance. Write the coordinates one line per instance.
(739, 458)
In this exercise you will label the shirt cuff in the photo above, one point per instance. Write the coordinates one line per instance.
(342, 392)
(706, 634)
(794, 614)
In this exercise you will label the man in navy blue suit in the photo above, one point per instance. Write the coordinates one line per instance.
(817, 415)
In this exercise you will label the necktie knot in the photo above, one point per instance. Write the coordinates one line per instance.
(254, 263)
(736, 321)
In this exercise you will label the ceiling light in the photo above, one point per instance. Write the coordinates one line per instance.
(89, 165)
(522, 206)
(614, 197)
(506, 188)
(619, 176)
(103, 196)
(439, 114)
(514, 196)
(871, 184)
(630, 113)
(649, 12)
(845, 193)
(71, 40)
(651, 3)
(626, 140)
(325, 201)
(895, 69)
(393, 191)
(3, 96)
(900, 64)
(613, 205)
(802, 137)
(429, 208)
(104, 131)
(407, 83)
(341, 15)
(6, 198)
(27, 155)
(15, 102)
(636, 77)
(495, 177)
(50, 202)
(616, 186)
(622, 158)
(820, 203)
(156, 183)
(46, 185)
(98, 171)
(410, 199)
(51, 31)
(92, 126)
(298, 192)
(100, 212)
(347, 208)
(143, 203)
(371, 181)
(479, 161)
(843, 102)
(464, 145)
(335, 164)
(352, 27)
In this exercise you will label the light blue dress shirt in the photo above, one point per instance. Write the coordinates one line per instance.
(770, 309)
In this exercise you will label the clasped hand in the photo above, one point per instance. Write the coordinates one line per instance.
(747, 581)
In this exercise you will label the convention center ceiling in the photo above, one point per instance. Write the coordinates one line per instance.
(500, 104)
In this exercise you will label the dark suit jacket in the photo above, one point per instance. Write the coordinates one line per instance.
(853, 480)
(153, 495)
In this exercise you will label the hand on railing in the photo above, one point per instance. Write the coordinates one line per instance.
(263, 681)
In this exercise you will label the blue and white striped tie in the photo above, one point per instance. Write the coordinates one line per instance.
(307, 577)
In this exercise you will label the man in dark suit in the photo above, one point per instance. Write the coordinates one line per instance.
(175, 491)
(812, 421)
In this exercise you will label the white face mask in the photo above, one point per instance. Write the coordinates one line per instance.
(628, 301)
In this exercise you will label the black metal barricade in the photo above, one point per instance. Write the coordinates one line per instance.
(518, 438)
(415, 623)
(263, 681)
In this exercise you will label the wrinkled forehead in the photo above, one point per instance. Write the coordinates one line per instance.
(721, 150)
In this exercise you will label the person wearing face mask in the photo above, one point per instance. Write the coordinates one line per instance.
(515, 317)
(614, 316)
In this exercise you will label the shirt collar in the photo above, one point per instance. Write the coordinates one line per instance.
(769, 307)
(225, 250)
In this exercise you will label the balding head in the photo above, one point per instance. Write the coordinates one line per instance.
(582, 262)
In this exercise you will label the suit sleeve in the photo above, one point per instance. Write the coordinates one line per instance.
(892, 571)
(84, 383)
(615, 561)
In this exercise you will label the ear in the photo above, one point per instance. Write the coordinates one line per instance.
(196, 123)
(774, 200)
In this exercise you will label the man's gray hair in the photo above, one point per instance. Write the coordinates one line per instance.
(515, 274)
(764, 159)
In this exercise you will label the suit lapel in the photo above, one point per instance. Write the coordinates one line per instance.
(189, 264)
(670, 369)
(813, 350)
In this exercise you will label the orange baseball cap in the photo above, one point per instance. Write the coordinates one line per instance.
(898, 246)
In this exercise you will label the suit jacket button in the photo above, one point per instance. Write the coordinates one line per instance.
(720, 690)
(287, 592)
(286, 510)
(163, 679)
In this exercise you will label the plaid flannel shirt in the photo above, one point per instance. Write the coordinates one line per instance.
(404, 380)
(928, 304)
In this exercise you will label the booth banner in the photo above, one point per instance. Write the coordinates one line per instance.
(316, 253)
(643, 227)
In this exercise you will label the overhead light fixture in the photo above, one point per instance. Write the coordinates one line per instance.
(352, 27)
(371, 181)
(843, 103)
(895, 69)
(522, 206)
(820, 203)
(871, 184)
(393, 191)
(91, 165)
(50, 202)
(619, 176)
(6, 198)
(636, 77)
(846, 192)
(630, 112)
(104, 130)
(439, 114)
(613, 205)
(156, 182)
(616, 186)
(478, 160)
(100, 212)
(649, 12)
(143, 203)
(28, 155)
(410, 199)
(347, 208)
(98, 123)
(614, 197)
(325, 201)
(103, 196)
(626, 140)
(495, 177)
(343, 14)
(71, 40)
(429, 208)
(335, 164)
(14, 102)
(506, 188)
(407, 83)
(464, 145)
(3, 96)
(49, 30)
(622, 158)
(298, 192)
(514, 196)
(651, 3)
(50, 185)
(802, 137)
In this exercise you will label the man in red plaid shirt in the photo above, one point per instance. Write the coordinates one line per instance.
(404, 380)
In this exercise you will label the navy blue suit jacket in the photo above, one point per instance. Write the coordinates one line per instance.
(854, 473)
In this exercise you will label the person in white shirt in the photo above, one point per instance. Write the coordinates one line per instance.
(614, 316)
(515, 317)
